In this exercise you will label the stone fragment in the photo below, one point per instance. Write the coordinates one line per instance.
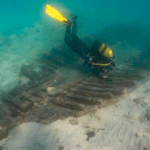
(52, 91)
(73, 121)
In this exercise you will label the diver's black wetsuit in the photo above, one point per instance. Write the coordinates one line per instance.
(81, 48)
(74, 42)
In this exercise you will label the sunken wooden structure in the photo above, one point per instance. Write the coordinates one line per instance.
(32, 102)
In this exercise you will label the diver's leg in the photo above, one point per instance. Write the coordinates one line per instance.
(68, 39)
(74, 28)
(83, 49)
(74, 42)
(71, 42)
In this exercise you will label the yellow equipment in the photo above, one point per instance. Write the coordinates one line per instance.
(104, 65)
(107, 52)
(55, 14)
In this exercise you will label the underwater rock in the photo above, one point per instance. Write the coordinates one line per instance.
(139, 100)
(52, 91)
(90, 134)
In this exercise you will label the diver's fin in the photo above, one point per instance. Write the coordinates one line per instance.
(57, 15)
(74, 17)
(68, 14)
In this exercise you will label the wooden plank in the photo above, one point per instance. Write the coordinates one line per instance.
(63, 102)
(95, 92)
(106, 95)
(23, 104)
(41, 94)
(9, 110)
(32, 97)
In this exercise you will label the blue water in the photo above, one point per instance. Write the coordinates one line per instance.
(26, 31)
(24, 14)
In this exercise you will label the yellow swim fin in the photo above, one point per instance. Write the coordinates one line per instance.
(55, 14)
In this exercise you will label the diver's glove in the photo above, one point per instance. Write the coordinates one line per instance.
(109, 67)
(68, 22)
(113, 64)
(87, 58)
(86, 61)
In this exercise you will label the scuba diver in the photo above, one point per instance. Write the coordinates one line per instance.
(99, 56)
